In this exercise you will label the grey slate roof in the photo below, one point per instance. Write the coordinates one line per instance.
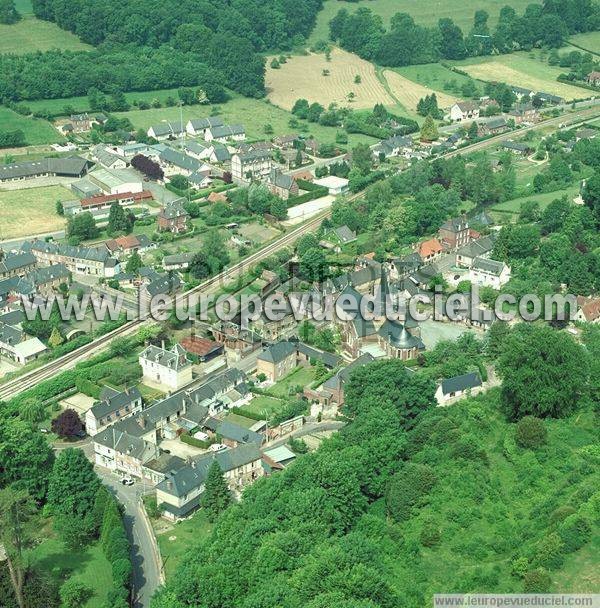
(94, 254)
(73, 166)
(489, 266)
(122, 442)
(345, 234)
(174, 357)
(221, 153)
(14, 261)
(232, 431)
(281, 180)
(343, 375)
(206, 123)
(330, 360)
(278, 352)
(179, 159)
(398, 336)
(112, 400)
(227, 131)
(460, 383)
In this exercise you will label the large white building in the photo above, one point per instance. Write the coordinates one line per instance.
(489, 273)
(252, 165)
(169, 369)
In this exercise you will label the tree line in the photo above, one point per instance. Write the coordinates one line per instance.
(407, 43)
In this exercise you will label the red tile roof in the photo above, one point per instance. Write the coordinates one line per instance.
(106, 198)
(430, 247)
(200, 346)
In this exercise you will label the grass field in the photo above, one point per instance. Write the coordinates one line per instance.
(590, 41)
(301, 77)
(408, 92)
(254, 114)
(424, 12)
(24, 7)
(87, 566)
(543, 199)
(301, 376)
(31, 34)
(81, 104)
(264, 405)
(31, 211)
(36, 131)
(434, 76)
(529, 70)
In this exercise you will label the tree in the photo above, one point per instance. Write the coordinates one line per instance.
(452, 44)
(147, 166)
(591, 195)
(537, 581)
(407, 489)
(119, 220)
(530, 432)
(73, 593)
(216, 494)
(313, 265)
(362, 158)
(305, 242)
(82, 226)
(429, 131)
(8, 12)
(16, 509)
(544, 372)
(67, 424)
(473, 131)
(180, 182)
(279, 208)
(134, 263)
(55, 338)
(32, 410)
(60, 210)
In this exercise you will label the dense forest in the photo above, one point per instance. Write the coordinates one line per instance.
(147, 45)
(495, 494)
(406, 43)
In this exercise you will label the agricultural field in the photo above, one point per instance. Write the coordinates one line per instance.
(408, 93)
(36, 130)
(437, 77)
(31, 211)
(424, 12)
(590, 41)
(530, 70)
(302, 77)
(30, 34)
(254, 114)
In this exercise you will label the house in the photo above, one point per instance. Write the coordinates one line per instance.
(80, 122)
(230, 434)
(107, 158)
(173, 218)
(199, 126)
(16, 264)
(277, 361)
(175, 162)
(588, 310)
(331, 392)
(166, 130)
(344, 234)
(454, 233)
(398, 342)
(113, 405)
(549, 98)
(489, 273)
(516, 147)
(466, 255)
(180, 493)
(429, 250)
(161, 285)
(494, 126)
(17, 346)
(124, 453)
(115, 181)
(128, 244)
(72, 166)
(394, 146)
(200, 348)
(253, 165)
(281, 185)
(38, 282)
(451, 389)
(197, 150)
(104, 201)
(593, 78)
(219, 154)
(169, 368)
(335, 185)
(94, 261)
(238, 340)
(524, 113)
(200, 179)
(222, 133)
(522, 93)
(286, 142)
(464, 110)
(177, 261)
(309, 355)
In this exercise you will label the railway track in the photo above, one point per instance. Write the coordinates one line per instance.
(18, 385)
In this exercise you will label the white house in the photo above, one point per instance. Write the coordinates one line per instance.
(464, 110)
(225, 132)
(335, 185)
(167, 368)
(199, 126)
(489, 273)
(451, 389)
(113, 405)
(255, 164)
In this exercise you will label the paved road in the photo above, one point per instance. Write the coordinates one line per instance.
(146, 570)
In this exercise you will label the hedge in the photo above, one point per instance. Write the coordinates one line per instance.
(197, 443)
(318, 192)
(247, 414)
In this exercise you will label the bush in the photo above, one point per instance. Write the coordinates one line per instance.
(430, 534)
(87, 387)
(530, 432)
(537, 581)
(407, 489)
(247, 414)
(575, 532)
(197, 443)
(74, 594)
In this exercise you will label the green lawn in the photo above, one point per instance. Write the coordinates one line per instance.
(24, 7)
(87, 565)
(424, 12)
(254, 114)
(300, 376)
(264, 405)
(36, 131)
(81, 104)
(174, 541)
(590, 41)
(30, 34)
(435, 76)
(31, 211)
(241, 420)
(543, 199)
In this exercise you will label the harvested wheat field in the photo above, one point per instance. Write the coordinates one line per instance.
(408, 92)
(497, 71)
(302, 78)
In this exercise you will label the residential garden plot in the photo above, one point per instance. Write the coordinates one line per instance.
(265, 406)
(408, 92)
(301, 376)
(36, 130)
(301, 77)
(258, 233)
(254, 114)
(31, 211)
(424, 12)
(30, 35)
(529, 70)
